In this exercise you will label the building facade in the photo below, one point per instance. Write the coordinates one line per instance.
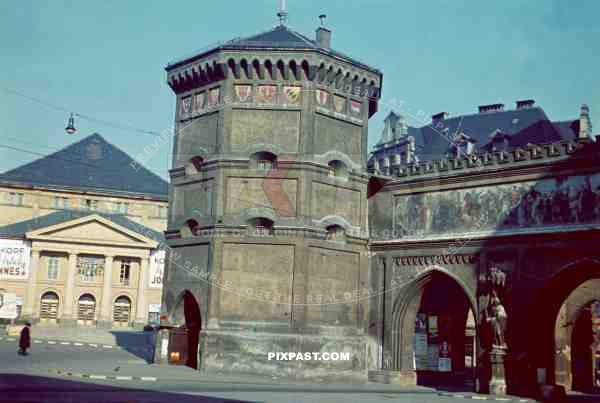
(463, 251)
(80, 235)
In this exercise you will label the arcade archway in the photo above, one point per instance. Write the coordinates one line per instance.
(561, 348)
(184, 339)
(436, 332)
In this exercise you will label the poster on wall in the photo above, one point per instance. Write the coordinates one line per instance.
(444, 364)
(421, 323)
(8, 305)
(157, 268)
(433, 325)
(432, 357)
(14, 259)
(420, 348)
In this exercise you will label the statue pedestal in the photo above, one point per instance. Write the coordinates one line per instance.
(498, 379)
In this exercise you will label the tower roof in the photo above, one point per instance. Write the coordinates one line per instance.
(91, 164)
(280, 37)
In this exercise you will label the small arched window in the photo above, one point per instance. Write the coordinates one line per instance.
(264, 161)
(260, 226)
(190, 228)
(194, 165)
(337, 169)
(335, 233)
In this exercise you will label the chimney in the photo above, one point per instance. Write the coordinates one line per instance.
(323, 36)
(439, 116)
(526, 103)
(585, 123)
(491, 108)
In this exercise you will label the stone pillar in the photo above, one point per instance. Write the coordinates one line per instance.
(30, 303)
(105, 307)
(68, 318)
(141, 310)
(498, 380)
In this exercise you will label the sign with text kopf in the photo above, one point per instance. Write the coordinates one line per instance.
(157, 268)
(14, 259)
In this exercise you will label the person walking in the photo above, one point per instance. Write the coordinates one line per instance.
(25, 339)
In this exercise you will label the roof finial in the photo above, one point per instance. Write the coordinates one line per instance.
(282, 13)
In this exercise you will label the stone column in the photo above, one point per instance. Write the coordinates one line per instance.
(498, 379)
(68, 318)
(30, 303)
(141, 309)
(105, 319)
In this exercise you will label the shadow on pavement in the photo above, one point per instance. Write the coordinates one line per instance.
(15, 388)
(138, 343)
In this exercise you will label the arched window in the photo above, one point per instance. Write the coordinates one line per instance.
(335, 233)
(260, 226)
(264, 161)
(194, 165)
(190, 228)
(337, 169)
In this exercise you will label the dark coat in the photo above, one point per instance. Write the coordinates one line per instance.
(25, 339)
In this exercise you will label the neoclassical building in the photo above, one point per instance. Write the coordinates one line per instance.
(80, 236)
(461, 252)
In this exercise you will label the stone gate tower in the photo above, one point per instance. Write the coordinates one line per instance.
(268, 207)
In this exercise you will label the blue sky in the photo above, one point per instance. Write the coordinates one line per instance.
(106, 58)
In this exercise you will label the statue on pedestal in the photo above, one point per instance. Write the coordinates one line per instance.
(493, 320)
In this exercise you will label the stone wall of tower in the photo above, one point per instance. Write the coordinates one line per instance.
(286, 290)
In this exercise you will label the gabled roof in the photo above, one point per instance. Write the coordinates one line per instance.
(91, 164)
(278, 38)
(19, 229)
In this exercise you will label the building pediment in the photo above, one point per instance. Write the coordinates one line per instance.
(91, 229)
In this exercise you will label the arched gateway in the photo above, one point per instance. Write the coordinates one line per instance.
(434, 331)
(184, 340)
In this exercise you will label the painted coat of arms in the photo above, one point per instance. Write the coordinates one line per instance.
(291, 94)
(322, 97)
(243, 92)
(339, 104)
(213, 97)
(266, 94)
(199, 101)
(355, 107)
(186, 105)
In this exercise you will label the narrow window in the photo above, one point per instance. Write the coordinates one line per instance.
(52, 268)
(125, 273)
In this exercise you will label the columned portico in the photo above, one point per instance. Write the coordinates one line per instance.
(89, 271)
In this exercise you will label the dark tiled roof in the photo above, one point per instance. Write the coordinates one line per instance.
(519, 126)
(19, 229)
(91, 164)
(280, 37)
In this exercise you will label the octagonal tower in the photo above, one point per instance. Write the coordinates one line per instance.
(268, 207)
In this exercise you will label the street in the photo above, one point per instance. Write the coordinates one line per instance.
(68, 373)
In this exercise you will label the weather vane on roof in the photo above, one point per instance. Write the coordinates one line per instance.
(282, 14)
